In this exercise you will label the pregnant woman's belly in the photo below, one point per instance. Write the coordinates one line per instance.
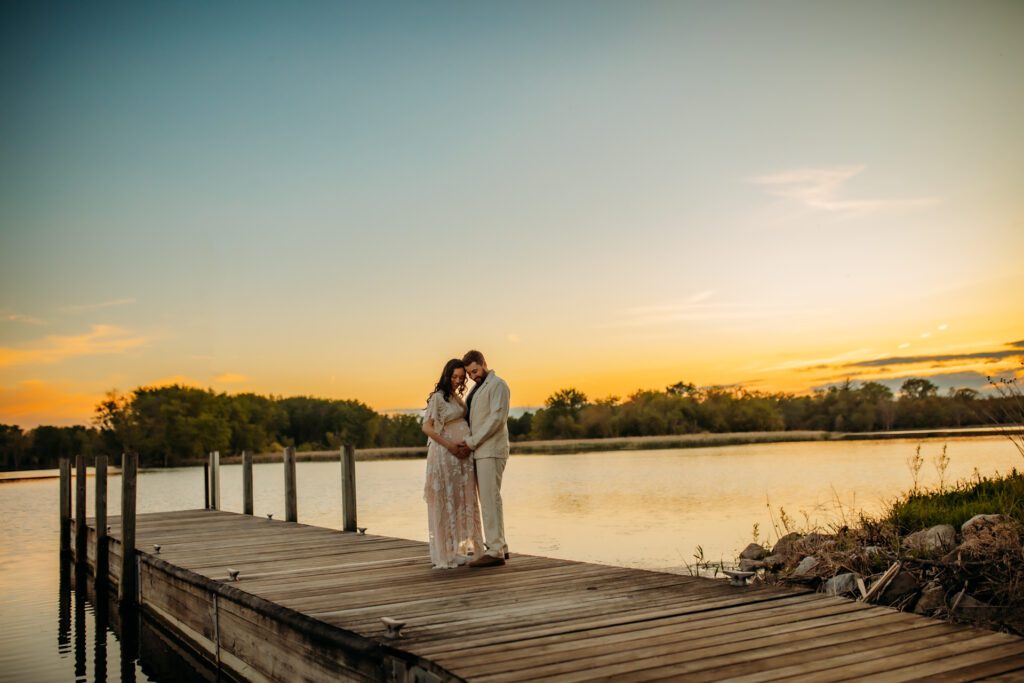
(456, 430)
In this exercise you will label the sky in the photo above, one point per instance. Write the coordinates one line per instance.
(332, 199)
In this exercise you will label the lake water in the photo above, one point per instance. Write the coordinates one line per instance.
(648, 509)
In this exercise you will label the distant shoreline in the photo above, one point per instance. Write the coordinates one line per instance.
(570, 446)
(640, 443)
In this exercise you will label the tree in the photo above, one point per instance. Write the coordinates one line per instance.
(567, 401)
(917, 388)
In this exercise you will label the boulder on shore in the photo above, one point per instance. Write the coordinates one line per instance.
(806, 566)
(980, 523)
(933, 540)
(932, 598)
(841, 584)
(901, 585)
(785, 544)
(972, 609)
(753, 552)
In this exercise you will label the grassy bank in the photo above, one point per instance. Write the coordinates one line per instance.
(954, 553)
(981, 496)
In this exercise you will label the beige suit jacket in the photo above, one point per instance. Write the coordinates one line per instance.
(488, 419)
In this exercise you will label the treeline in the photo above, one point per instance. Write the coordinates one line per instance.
(684, 408)
(175, 425)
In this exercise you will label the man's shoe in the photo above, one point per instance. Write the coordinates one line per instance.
(487, 561)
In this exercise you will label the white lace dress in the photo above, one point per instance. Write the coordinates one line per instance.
(453, 508)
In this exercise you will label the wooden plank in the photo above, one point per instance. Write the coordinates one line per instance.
(652, 662)
(812, 661)
(994, 669)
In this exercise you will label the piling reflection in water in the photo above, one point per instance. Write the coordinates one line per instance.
(121, 637)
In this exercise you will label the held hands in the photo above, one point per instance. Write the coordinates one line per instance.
(461, 450)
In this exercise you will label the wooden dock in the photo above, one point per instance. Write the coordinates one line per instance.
(308, 605)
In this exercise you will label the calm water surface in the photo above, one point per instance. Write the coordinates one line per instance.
(648, 509)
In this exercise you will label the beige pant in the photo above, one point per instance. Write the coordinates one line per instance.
(488, 477)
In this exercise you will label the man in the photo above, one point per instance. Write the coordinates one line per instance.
(487, 414)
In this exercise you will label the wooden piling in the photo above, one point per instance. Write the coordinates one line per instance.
(206, 484)
(127, 585)
(65, 505)
(216, 479)
(247, 482)
(348, 487)
(80, 529)
(101, 518)
(291, 508)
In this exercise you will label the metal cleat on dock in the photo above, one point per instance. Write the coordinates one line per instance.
(360, 531)
(233, 574)
(738, 578)
(156, 548)
(270, 515)
(394, 627)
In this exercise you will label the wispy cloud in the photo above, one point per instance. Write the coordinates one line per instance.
(817, 363)
(101, 339)
(822, 189)
(85, 308)
(15, 317)
(1017, 349)
(699, 307)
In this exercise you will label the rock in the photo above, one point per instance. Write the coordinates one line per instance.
(932, 598)
(806, 566)
(902, 585)
(753, 552)
(750, 565)
(841, 584)
(816, 540)
(972, 609)
(994, 537)
(785, 543)
(932, 540)
(774, 561)
(979, 523)
(873, 550)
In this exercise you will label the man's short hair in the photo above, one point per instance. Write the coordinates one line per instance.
(474, 356)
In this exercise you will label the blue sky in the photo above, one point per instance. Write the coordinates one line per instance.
(331, 198)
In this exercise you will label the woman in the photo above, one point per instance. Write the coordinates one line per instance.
(453, 510)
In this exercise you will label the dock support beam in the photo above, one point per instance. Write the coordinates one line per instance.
(348, 487)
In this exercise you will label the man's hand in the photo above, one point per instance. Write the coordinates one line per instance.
(462, 450)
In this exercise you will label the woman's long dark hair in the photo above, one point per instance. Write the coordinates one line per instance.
(444, 385)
